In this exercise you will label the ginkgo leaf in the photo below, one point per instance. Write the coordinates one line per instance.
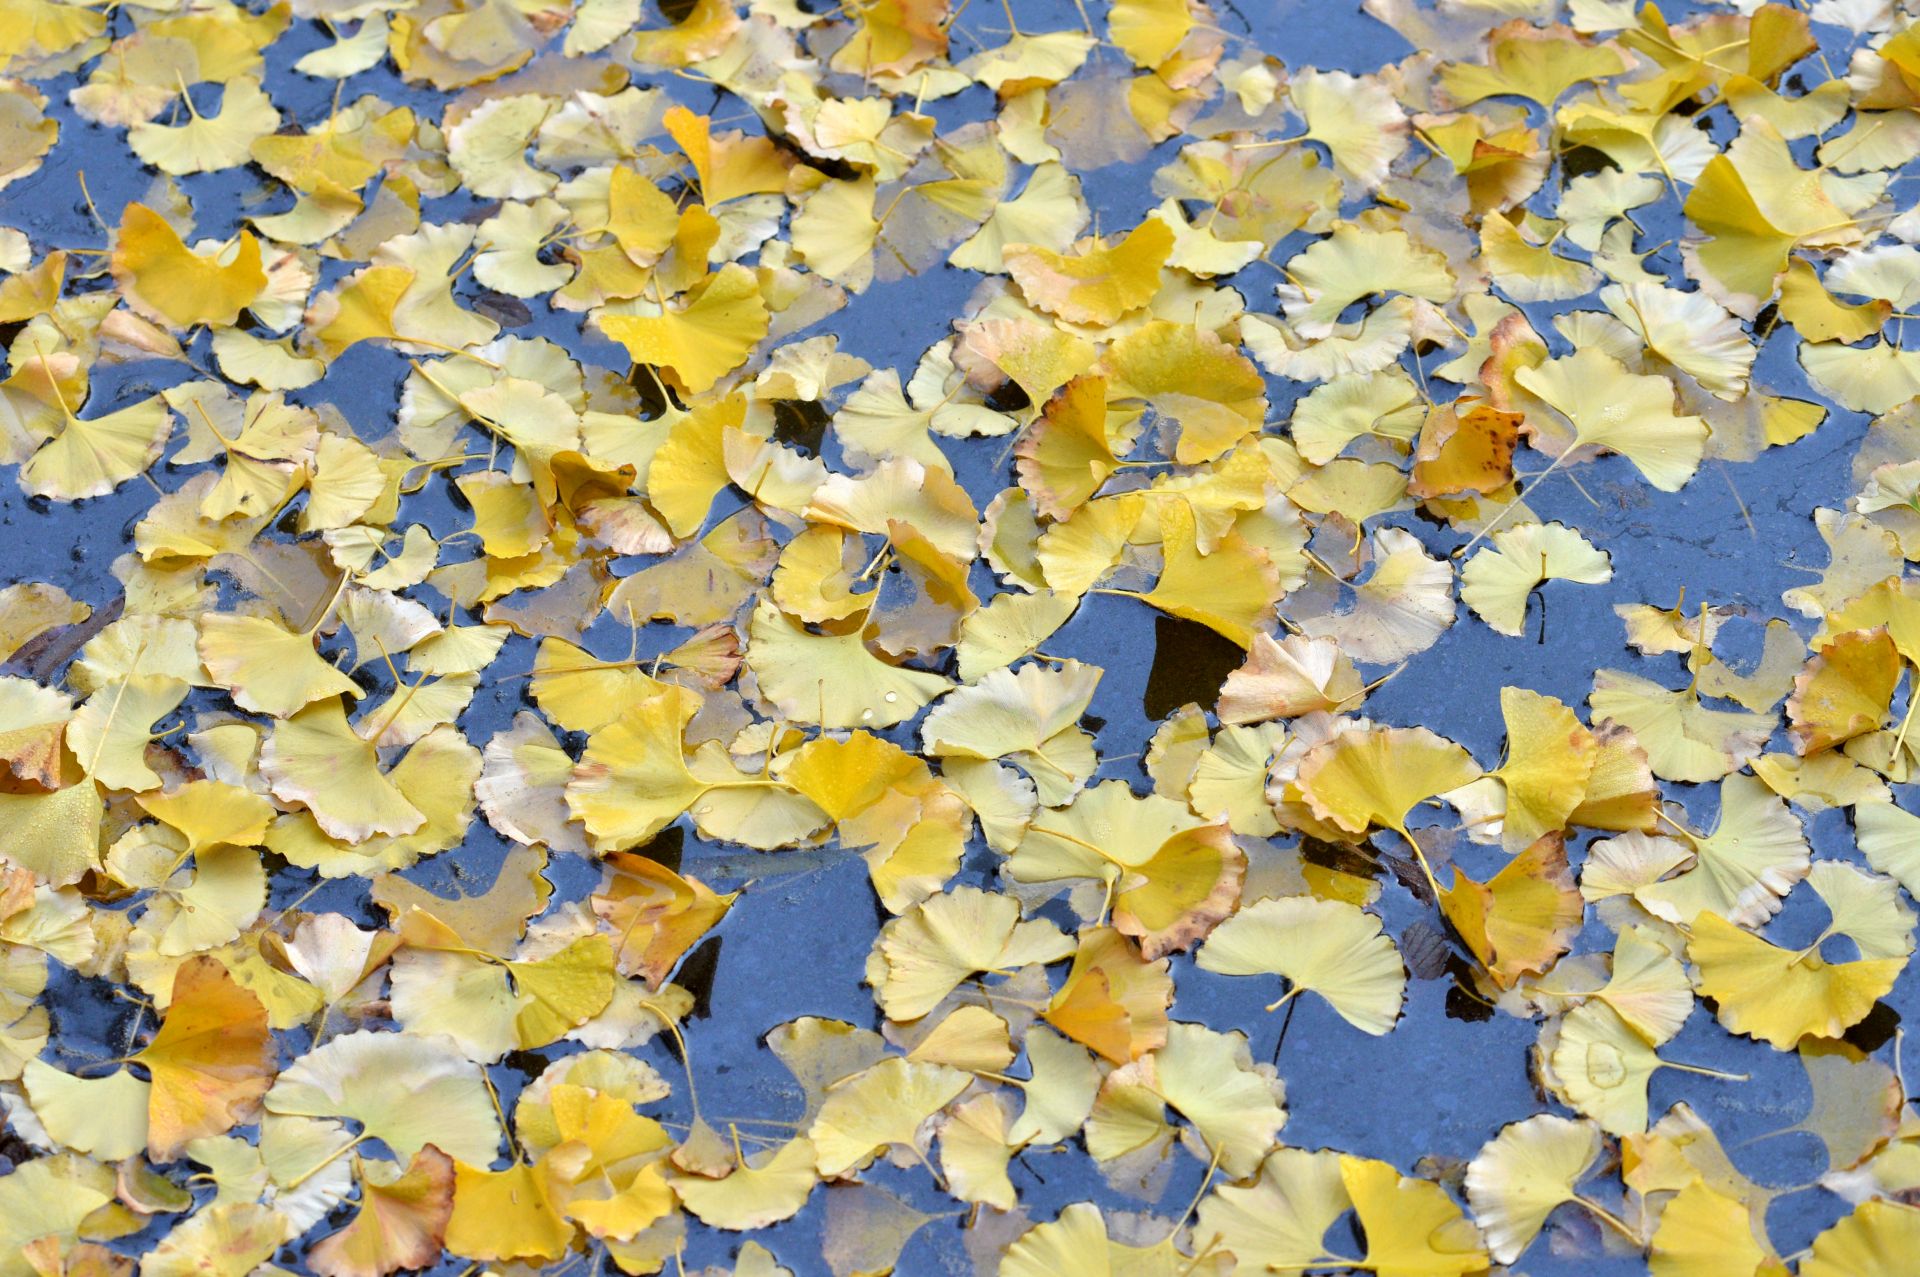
(1600, 1067)
(1521, 1175)
(1375, 778)
(657, 914)
(882, 1106)
(1286, 678)
(1743, 868)
(1688, 331)
(1399, 611)
(507, 1214)
(1703, 1230)
(1028, 716)
(1113, 1000)
(1067, 454)
(1871, 1242)
(760, 1192)
(211, 1061)
(695, 345)
(1550, 760)
(106, 1117)
(1076, 1242)
(1281, 1218)
(1683, 739)
(1326, 947)
(91, 456)
(1846, 690)
(1783, 995)
(408, 1091)
(206, 144)
(1210, 391)
(402, 1222)
(1497, 583)
(1521, 919)
(1176, 896)
(1210, 1079)
(267, 669)
(1413, 1228)
(172, 283)
(1610, 408)
(1095, 286)
(315, 758)
(922, 956)
(1355, 118)
(832, 679)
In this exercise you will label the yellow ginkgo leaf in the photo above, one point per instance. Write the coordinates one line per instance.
(109, 734)
(401, 1223)
(1688, 331)
(1289, 677)
(1372, 778)
(1188, 376)
(1599, 1067)
(1550, 759)
(709, 335)
(879, 1107)
(1496, 583)
(1066, 455)
(1113, 1001)
(923, 955)
(170, 283)
(1743, 869)
(1210, 1079)
(831, 679)
(1523, 918)
(1648, 987)
(1281, 1218)
(1413, 1228)
(360, 309)
(1356, 118)
(1616, 410)
(315, 758)
(657, 914)
(1174, 898)
(1539, 64)
(1704, 1232)
(1327, 947)
(1230, 590)
(1752, 220)
(406, 1091)
(758, 1193)
(266, 668)
(208, 143)
(1097, 285)
(507, 1214)
(1400, 610)
(1029, 716)
(689, 467)
(1684, 740)
(1354, 263)
(1846, 690)
(1783, 995)
(1874, 1241)
(91, 456)
(211, 1061)
(1522, 1174)
(212, 813)
(1331, 416)
(105, 1116)
(1078, 1242)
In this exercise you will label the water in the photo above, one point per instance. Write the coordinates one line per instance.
(795, 944)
